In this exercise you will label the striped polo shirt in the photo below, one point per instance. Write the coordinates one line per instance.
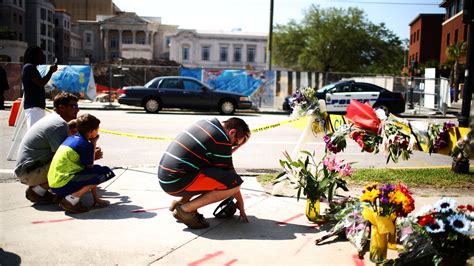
(203, 145)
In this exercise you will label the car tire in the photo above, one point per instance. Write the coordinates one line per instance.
(226, 107)
(384, 108)
(151, 105)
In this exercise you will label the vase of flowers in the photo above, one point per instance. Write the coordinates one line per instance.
(315, 180)
(386, 202)
(448, 228)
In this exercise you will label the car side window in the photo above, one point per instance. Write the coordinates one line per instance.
(363, 88)
(171, 84)
(342, 88)
(154, 84)
(191, 85)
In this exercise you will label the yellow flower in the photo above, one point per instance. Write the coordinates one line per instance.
(370, 196)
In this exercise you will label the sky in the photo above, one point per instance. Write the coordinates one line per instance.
(254, 15)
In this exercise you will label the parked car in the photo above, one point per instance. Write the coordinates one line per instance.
(182, 92)
(338, 96)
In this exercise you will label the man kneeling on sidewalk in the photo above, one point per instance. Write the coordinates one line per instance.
(73, 173)
(199, 163)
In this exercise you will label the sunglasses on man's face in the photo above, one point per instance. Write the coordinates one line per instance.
(73, 105)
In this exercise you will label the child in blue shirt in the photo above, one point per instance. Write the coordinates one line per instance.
(72, 172)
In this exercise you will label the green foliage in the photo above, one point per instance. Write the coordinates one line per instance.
(337, 40)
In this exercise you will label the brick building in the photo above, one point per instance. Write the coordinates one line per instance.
(425, 38)
(453, 29)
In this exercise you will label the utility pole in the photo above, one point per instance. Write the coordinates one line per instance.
(468, 18)
(270, 37)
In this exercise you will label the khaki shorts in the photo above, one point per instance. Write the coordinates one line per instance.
(35, 177)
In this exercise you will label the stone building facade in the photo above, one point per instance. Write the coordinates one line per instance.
(62, 36)
(12, 42)
(39, 26)
(194, 48)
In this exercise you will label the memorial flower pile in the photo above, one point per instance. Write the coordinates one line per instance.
(367, 140)
(304, 102)
(448, 227)
(438, 136)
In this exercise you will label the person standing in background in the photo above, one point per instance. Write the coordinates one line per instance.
(34, 99)
(3, 87)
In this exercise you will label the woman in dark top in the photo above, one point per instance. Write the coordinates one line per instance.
(34, 100)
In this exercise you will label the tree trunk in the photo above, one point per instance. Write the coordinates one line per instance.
(455, 81)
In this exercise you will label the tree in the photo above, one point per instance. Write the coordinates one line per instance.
(338, 40)
(455, 52)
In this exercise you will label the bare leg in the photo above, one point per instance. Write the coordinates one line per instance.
(185, 200)
(97, 201)
(208, 198)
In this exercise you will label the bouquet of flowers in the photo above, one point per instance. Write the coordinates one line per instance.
(315, 180)
(438, 136)
(304, 102)
(396, 140)
(386, 203)
(336, 141)
(367, 140)
(448, 228)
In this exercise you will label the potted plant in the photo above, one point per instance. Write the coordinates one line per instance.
(315, 180)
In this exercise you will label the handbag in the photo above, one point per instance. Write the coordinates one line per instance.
(225, 209)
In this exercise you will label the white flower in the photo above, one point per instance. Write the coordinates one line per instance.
(436, 227)
(459, 223)
(445, 205)
(424, 211)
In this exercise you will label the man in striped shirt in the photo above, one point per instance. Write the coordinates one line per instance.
(199, 163)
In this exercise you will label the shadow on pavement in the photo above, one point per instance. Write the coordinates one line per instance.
(257, 229)
(8, 258)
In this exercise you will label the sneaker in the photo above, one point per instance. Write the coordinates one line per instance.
(68, 207)
(191, 219)
(47, 198)
(175, 203)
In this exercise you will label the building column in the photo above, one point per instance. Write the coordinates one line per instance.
(134, 36)
(146, 37)
(106, 46)
(152, 44)
(120, 43)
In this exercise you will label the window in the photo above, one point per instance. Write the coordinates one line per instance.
(50, 31)
(459, 6)
(171, 84)
(113, 55)
(50, 46)
(418, 35)
(20, 20)
(56, 22)
(456, 36)
(88, 38)
(450, 10)
(237, 54)
(43, 14)
(205, 53)
(43, 44)
(343, 88)
(14, 18)
(50, 16)
(128, 39)
(43, 29)
(416, 57)
(20, 37)
(168, 41)
(113, 43)
(251, 54)
(185, 53)
(190, 85)
(223, 54)
(363, 88)
(448, 39)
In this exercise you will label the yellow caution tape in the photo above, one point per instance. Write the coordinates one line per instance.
(133, 135)
(263, 128)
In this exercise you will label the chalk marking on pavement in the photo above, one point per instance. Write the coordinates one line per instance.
(206, 257)
(148, 210)
(52, 221)
(230, 262)
(290, 219)
(357, 260)
(302, 246)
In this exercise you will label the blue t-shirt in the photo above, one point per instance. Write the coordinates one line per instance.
(72, 156)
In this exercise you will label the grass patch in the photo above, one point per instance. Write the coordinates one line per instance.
(426, 177)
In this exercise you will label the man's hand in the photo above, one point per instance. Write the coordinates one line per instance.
(94, 140)
(53, 68)
(240, 206)
(98, 153)
(243, 216)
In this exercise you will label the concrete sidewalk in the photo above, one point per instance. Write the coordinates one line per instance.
(138, 229)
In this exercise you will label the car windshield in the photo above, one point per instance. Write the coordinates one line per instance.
(326, 88)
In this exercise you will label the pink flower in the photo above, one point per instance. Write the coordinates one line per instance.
(331, 163)
(346, 170)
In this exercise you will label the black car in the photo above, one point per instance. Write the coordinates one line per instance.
(182, 92)
(338, 96)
